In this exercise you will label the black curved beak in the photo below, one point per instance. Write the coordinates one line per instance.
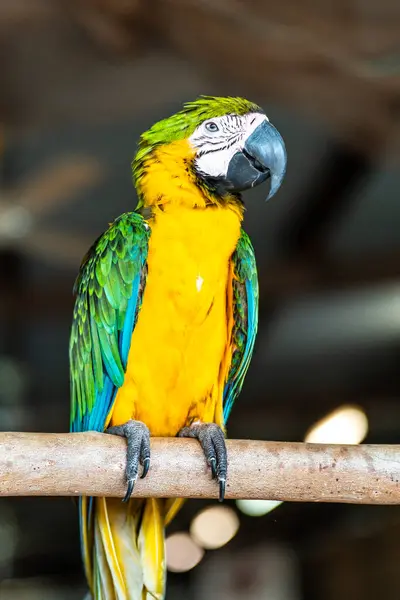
(263, 156)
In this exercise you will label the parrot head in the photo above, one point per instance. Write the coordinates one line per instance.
(227, 145)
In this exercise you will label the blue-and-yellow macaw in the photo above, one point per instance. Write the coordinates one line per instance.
(165, 321)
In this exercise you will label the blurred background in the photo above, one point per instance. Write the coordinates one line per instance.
(79, 81)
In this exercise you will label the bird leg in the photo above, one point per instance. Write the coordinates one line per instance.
(212, 440)
(138, 440)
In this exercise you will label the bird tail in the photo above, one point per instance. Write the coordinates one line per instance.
(123, 548)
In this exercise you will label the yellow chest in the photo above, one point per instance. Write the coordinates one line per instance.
(183, 330)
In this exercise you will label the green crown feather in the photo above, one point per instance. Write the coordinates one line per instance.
(182, 124)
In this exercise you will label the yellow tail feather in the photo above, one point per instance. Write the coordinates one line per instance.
(124, 549)
(152, 548)
(171, 509)
(102, 585)
(108, 525)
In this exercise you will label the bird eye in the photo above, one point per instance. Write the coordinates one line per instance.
(212, 127)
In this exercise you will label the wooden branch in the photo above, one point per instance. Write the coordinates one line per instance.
(42, 464)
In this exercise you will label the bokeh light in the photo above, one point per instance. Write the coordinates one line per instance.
(214, 526)
(257, 508)
(346, 425)
(182, 552)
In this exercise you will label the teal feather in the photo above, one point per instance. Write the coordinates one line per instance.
(245, 308)
(112, 287)
(111, 357)
(106, 313)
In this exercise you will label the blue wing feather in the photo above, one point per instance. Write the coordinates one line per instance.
(245, 309)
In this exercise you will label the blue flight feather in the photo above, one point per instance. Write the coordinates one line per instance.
(245, 314)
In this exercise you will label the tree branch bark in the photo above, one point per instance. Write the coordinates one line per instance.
(48, 464)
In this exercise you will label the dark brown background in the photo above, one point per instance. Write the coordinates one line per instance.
(79, 81)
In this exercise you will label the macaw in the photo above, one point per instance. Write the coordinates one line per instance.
(165, 321)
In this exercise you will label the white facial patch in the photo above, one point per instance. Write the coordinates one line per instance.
(217, 141)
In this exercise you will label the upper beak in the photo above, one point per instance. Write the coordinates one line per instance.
(265, 146)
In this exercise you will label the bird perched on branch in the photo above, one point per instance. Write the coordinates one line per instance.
(165, 321)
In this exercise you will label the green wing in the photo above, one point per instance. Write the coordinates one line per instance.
(245, 314)
(109, 292)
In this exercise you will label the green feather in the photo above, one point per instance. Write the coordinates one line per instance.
(106, 313)
(103, 288)
(96, 356)
(105, 262)
(127, 270)
(78, 391)
(97, 287)
(121, 313)
(101, 277)
(88, 385)
(112, 287)
(86, 338)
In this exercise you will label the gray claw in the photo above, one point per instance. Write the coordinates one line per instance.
(138, 440)
(213, 465)
(212, 440)
(222, 483)
(131, 485)
(146, 467)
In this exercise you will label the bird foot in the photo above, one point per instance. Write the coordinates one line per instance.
(212, 440)
(138, 440)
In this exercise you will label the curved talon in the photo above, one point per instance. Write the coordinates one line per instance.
(222, 483)
(131, 485)
(146, 467)
(213, 465)
(212, 440)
